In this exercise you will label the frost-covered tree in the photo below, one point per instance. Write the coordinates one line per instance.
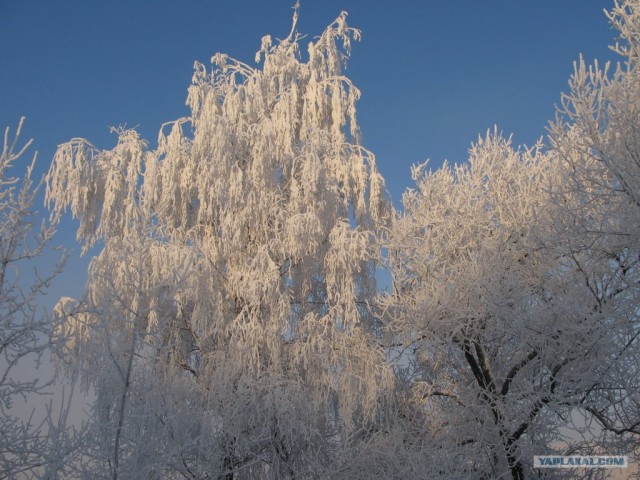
(596, 141)
(31, 443)
(514, 310)
(226, 330)
(500, 341)
(487, 324)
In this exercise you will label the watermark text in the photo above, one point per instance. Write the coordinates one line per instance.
(580, 461)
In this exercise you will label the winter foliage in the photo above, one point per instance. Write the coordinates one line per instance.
(232, 327)
(35, 443)
(227, 310)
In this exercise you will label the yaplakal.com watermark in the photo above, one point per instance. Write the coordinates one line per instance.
(580, 461)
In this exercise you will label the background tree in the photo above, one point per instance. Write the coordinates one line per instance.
(37, 442)
(490, 327)
(516, 287)
(225, 329)
(596, 142)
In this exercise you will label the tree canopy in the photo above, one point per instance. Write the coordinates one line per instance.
(232, 327)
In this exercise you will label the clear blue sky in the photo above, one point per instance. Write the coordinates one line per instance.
(433, 73)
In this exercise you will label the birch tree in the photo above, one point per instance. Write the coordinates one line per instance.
(225, 329)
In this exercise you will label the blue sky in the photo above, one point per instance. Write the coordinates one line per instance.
(434, 74)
